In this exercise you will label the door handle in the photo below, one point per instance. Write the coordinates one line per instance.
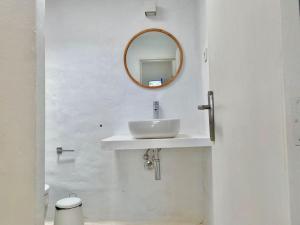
(211, 114)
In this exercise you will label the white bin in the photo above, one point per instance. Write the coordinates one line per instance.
(69, 212)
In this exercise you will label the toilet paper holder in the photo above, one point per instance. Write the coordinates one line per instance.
(60, 150)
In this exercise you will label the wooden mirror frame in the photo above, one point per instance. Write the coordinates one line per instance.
(138, 35)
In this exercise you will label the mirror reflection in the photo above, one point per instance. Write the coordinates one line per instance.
(153, 58)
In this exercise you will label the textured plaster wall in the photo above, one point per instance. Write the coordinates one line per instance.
(86, 85)
(20, 77)
(291, 53)
(202, 37)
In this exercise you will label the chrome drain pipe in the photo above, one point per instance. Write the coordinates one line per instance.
(157, 164)
(152, 161)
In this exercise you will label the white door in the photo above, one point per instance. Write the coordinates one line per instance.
(249, 155)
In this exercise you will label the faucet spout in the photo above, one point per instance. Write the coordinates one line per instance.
(156, 110)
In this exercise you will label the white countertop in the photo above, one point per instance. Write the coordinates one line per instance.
(127, 142)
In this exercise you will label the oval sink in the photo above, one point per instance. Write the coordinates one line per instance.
(158, 128)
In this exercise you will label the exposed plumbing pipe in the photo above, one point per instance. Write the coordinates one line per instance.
(152, 161)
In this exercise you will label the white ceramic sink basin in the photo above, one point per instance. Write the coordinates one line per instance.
(157, 128)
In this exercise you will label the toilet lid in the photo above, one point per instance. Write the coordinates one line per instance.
(47, 188)
(68, 203)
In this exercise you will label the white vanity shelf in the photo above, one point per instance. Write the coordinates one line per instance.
(130, 143)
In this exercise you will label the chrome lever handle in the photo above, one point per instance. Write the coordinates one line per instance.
(211, 114)
(203, 107)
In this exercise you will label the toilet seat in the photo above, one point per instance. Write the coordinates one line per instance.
(46, 199)
(47, 188)
(68, 203)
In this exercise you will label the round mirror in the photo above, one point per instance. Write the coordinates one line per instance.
(153, 58)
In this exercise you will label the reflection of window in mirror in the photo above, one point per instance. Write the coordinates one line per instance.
(156, 70)
(153, 58)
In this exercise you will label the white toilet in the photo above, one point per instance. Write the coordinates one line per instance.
(68, 211)
(46, 199)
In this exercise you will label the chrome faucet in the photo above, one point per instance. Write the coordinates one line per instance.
(155, 109)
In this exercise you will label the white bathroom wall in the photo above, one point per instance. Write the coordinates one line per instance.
(202, 45)
(291, 53)
(250, 179)
(86, 85)
(21, 114)
(202, 37)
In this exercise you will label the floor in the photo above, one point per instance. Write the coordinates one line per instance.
(135, 223)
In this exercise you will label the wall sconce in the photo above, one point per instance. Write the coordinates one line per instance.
(150, 8)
